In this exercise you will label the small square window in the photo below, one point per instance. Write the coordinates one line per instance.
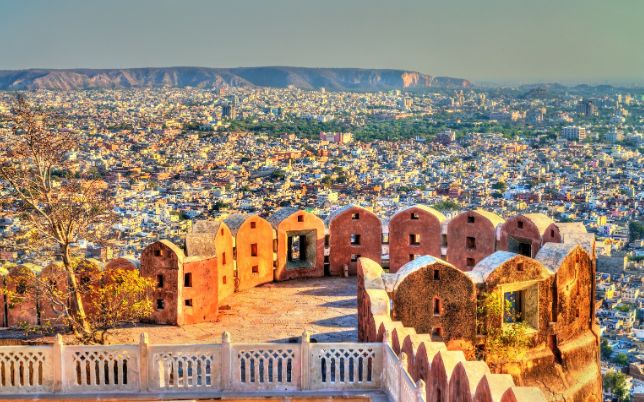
(187, 280)
(160, 281)
(412, 257)
(470, 219)
(188, 302)
(300, 218)
(520, 267)
(355, 239)
(470, 262)
(437, 332)
(354, 257)
(414, 239)
(158, 253)
(414, 216)
(255, 269)
(160, 304)
(253, 225)
(470, 243)
(437, 275)
(253, 250)
(355, 216)
(520, 224)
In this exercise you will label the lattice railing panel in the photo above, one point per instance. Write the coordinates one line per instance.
(99, 368)
(265, 367)
(25, 369)
(342, 365)
(181, 367)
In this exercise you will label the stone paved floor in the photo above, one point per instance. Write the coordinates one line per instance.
(275, 312)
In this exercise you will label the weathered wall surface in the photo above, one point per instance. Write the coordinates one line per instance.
(159, 260)
(436, 298)
(471, 236)
(447, 374)
(536, 229)
(254, 270)
(199, 301)
(349, 225)
(294, 221)
(225, 263)
(416, 220)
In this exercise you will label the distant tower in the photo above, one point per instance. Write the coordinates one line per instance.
(228, 111)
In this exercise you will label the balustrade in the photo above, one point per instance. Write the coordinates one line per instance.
(211, 368)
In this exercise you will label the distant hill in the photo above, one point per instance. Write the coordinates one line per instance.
(202, 77)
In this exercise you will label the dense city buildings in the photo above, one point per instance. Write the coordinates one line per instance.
(220, 191)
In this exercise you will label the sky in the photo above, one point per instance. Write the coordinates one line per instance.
(504, 41)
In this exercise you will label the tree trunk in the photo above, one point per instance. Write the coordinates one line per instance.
(76, 293)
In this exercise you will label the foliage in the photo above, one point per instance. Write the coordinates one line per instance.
(111, 297)
(621, 359)
(500, 185)
(119, 297)
(615, 382)
(447, 206)
(504, 342)
(606, 349)
(60, 207)
(636, 230)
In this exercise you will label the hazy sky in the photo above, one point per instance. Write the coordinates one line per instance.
(500, 40)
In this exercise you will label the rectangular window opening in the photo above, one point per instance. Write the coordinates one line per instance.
(160, 281)
(187, 280)
(470, 243)
(414, 216)
(253, 250)
(355, 239)
(255, 269)
(253, 225)
(414, 239)
(470, 262)
(470, 219)
(437, 275)
(188, 302)
(160, 304)
(355, 216)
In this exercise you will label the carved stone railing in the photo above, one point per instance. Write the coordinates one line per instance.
(208, 369)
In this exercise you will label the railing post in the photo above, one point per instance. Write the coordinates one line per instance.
(58, 363)
(421, 391)
(305, 350)
(144, 362)
(226, 362)
(402, 365)
(386, 337)
(385, 343)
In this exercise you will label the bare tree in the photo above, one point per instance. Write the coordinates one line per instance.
(62, 206)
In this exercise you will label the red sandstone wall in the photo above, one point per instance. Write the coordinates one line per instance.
(456, 296)
(202, 292)
(402, 225)
(22, 298)
(225, 263)
(168, 265)
(341, 227)
(447, 374)
(55, 276)
(262, 235)
(458, 230)
(309, 222)
(529, 232)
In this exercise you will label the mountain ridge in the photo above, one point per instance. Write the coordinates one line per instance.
(341, 78)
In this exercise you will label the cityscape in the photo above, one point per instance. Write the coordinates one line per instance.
(391, 205)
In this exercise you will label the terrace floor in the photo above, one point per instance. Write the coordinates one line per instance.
(274, 312)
